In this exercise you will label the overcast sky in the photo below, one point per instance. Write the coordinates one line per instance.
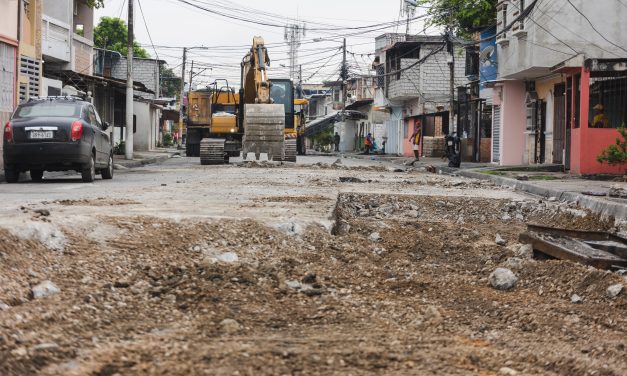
(175, 24)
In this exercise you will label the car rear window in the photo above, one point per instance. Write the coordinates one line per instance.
(48, 109)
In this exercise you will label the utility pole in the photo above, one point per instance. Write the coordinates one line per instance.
(181, 112)
(191, 76)
(344, 75)
(451, 64)
(128, 146)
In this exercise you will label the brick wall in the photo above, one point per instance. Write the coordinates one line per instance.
(82, 57)
(144, 71)
(433, 147)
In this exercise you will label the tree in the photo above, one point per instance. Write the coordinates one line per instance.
(616, 155)
(112, 34)
(95, 3)
(464, 16)
(170, 83)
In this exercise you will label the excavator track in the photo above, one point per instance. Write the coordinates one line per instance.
(290, 152)
(212, 151)
(264, 127)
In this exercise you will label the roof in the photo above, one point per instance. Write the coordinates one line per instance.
(75, 78)
(320, 125)
(359, 103)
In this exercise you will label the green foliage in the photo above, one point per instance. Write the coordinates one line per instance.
(324, 139)
(95, 3)
(616, 154)
(167, 139)
(112, 34)
(170, 83)
(118, 149)
(465, 16)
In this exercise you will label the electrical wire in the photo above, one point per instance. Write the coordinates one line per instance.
(146, 26)
(594, 28)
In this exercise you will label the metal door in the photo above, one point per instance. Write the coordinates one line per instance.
(559, 123)
(496, 134)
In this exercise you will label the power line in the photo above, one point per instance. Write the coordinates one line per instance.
(594, 28)
(146, 26)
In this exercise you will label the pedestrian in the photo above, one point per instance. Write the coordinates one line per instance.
(368, 143)
(336, 140)
(600, 120)
(415, 142)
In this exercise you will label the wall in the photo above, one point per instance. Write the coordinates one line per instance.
(147, 130)
(60, 10)
(513, 123)
(8, 21)
(144, 70)
(531, 56)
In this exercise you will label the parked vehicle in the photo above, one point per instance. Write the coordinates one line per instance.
(57, 134)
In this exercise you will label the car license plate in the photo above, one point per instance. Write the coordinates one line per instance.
(39, 135)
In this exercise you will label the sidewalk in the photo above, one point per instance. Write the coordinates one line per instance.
(144, 158)
(590, 194)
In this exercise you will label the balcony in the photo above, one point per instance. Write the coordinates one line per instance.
(56, 37)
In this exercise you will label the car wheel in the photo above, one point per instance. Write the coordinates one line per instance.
(37, 175)
(11, 174)
(107, 173)
(89, 171)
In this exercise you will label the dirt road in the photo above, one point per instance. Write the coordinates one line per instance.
(319, 268)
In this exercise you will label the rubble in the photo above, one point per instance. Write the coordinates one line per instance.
(45, 289)
(500, 241)
(502, 279)
(614, 290)
(575, 299)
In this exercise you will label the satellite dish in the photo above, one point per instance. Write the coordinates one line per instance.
(486, 55)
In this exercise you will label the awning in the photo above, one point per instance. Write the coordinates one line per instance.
(322, 124)
(360, 103)
(82, 80)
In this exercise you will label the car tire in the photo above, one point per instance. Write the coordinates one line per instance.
(107, 173)
(89, 171)
(11, 174)
(37, 175)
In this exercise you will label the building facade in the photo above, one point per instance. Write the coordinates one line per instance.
(413, 87)
(534, 120)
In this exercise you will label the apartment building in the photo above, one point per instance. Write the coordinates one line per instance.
(413, 86)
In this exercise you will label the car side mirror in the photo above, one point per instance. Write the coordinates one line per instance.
(105, 126)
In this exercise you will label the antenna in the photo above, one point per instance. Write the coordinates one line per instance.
(293, 34)
(408, 10)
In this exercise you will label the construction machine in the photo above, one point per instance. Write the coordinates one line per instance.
(265, 107)
(213, 132)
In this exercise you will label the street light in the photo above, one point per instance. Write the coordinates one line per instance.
(180, 130)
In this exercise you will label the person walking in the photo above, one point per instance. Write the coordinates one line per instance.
(336, 140)
(415, 140)
(368, 143)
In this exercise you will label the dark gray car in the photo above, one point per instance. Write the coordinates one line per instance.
(57, 134)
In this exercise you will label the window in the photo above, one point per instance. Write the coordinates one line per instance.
(501, 23)
(518, 28)
(608, 102)
(48, 109)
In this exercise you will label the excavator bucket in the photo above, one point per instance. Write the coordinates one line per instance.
(264, 127)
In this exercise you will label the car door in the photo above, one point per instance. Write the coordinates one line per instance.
(105, 146)
(99, 135)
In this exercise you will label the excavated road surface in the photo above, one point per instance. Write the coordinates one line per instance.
(315, 268)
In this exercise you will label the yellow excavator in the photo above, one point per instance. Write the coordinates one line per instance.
(266, 107)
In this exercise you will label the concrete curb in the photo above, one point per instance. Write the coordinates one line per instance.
(144, 162)
(599, 206)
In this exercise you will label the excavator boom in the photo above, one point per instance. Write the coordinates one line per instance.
(263, 121)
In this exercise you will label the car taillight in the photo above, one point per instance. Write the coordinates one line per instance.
(8, 132)
(77, 130)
